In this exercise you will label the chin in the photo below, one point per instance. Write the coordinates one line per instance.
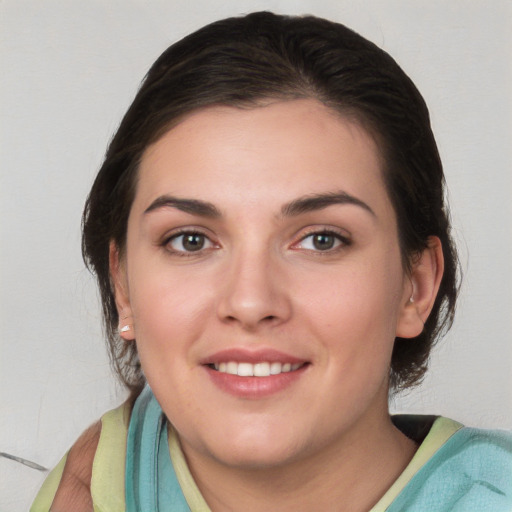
(254, 458)
(253, 450)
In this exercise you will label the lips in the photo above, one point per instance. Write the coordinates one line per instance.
(252, 362)
(254, 373)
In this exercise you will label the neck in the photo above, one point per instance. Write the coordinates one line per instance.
(353, 473)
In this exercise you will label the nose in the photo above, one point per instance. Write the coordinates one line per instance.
(254, 292)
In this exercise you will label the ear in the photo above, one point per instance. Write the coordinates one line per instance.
(121, 293)
(419, 297)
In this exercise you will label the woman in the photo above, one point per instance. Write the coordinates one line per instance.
(273, 252)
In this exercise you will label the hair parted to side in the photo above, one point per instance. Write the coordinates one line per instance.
(242, 62)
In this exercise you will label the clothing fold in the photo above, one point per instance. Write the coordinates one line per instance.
(151, 482)
(455, 469)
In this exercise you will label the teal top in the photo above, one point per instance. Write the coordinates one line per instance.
(151, 482)
(471, 471)
(139, 465)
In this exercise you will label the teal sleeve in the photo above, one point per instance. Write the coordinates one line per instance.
(472, 472)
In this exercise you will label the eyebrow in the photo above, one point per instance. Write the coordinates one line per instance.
(296, 207)
(315, 202)
(192, 206)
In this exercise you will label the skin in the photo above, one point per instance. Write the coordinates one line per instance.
(260, 282)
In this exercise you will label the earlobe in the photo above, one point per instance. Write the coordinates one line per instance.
(425, 278)
(119, 282)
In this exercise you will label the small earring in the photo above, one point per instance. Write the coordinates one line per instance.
(125, 328)
(411, 299)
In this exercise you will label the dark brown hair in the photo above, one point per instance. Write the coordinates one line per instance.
(241, 62)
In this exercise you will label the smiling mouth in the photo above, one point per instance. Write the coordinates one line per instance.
(263, 369)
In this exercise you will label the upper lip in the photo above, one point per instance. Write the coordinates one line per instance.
(244, 355)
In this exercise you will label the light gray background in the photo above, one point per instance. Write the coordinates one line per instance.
(69, 69)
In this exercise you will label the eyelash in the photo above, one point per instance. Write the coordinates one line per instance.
(166, 243)
(340, 242)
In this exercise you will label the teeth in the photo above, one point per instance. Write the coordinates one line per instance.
(232, 368)
(245, 369)
(275, 368)
(263, 369)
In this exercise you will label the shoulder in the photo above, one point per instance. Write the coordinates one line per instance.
(474, 469)
(485, 453)
(471, 469)
(79, 480)
(74, 491)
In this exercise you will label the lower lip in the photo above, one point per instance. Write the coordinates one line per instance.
(254, 387)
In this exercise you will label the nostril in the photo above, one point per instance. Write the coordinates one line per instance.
(265, 319)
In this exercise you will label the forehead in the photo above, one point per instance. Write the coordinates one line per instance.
(283, 148)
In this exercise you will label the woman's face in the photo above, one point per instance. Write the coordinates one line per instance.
(264, 281)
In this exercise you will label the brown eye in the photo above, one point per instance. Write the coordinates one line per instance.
(323, 241)
(189, 242)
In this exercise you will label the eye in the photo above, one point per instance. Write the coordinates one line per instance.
(189, 242)
(323, 241)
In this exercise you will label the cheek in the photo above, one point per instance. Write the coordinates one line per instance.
(355, 292)
(355, 310)
(161, 290)
(169, 313)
